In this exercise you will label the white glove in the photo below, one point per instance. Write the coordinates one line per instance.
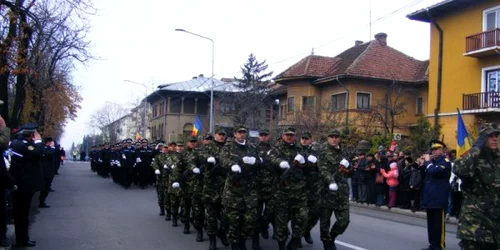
(284, 164)
(249, 160)
(165, 166)
(236, 168)
(100, 160)
(124, 157)
(175, 185)
(300, 159)
(173, 166)
(157, 172)
(138, 160)
(211, 160)
(333, 187)
(196, 170)
(344, 163)
(118, 164)
(261, 160)
(312, 159)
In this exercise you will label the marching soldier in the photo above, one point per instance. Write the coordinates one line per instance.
(214, 176)
(240, 197)
(144, 156)
(334, 191)
(161, 173)
(175, 191)
(265, 179)
(127, 162)
(312, 183)
(290, 191)
(435, 193)
(186, 165)
(194, 175)
(479, 170)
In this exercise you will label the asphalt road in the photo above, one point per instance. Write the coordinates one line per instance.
(89, 212)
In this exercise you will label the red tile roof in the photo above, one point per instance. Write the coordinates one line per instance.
(373, 60)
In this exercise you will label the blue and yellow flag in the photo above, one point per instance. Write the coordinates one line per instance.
(196, 126)
(463, 140)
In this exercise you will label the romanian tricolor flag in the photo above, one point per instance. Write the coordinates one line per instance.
(463, 140)
(137, 136)
(196, 127)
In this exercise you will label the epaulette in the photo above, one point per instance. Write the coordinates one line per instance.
(446, 160)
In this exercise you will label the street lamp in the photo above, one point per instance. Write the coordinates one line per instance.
(144, 105)
(211, 115)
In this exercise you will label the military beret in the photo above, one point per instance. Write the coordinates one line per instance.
(239, 127)
(289, 131)
(435, 144)
(219, 130)
(307, 135)
(179, 143)
(172, 143)
(264, 132)
(334, 132)
(192, 138)
(489, 128)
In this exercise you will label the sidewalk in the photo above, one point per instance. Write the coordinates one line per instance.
(407, 212)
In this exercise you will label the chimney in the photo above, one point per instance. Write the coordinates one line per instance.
(194, 77)
(200, 76)
(357, 43)
(381, 38)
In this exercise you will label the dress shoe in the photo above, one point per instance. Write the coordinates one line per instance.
(43, 206)
(308, 238)
(25, 244)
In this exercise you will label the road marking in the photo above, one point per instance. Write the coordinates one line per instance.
(349, 245)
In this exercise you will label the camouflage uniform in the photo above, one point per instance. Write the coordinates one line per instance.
(187, 163)
(196, 184)
(161, 179)
(240, 197)
(332, 201)
(290, 193)
(214, 176)
(479, 170)
(265, 182)
(176, 194)
(313, 184)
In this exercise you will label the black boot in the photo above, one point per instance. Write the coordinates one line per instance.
(199, 235)
(334, 247)
(223, 238)
(186, 228)
(327, 245)
(174, 220)
(256, 242)
(264, 232)
(299, 243)
(243, 245)
(162, 211)
(213, 242)
(168, 216)
(293, 244)
(334, 236)
(235, 246)
(281, 245)
(307, 237)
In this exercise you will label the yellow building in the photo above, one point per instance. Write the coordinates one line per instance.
(368, 86)
(464, 68)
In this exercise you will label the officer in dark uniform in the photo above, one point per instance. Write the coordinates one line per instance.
(26, 170)
(435, 193)
(127, 161)
(49, 170)
(104, 160)
(143, 163)
(5, 183)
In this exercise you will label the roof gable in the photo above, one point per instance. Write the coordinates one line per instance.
(311, 66)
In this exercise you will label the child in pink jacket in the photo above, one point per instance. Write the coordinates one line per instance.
(392, 181)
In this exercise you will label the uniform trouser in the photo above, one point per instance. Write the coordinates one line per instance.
(160, 193)
(362, 197)
(21, 211)
(127, 175)
(142, 175)
(198, 212)
(312, 215)
(215, 214)
(3, 213)
(186, 206)
(298, 217)
(167, 197)
(242, 223)
(474, 245)
(175, 202)
(341, 223)
(44, 193)
(436, 227)
(265, 212)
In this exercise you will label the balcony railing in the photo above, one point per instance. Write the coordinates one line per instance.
(482, 100)
(482, 40)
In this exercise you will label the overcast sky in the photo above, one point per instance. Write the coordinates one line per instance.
(135, 40)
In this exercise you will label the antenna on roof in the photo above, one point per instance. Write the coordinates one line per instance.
(312, 51)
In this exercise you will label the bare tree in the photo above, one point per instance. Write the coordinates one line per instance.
(102, 119)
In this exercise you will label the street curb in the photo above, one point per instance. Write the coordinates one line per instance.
(407, 212)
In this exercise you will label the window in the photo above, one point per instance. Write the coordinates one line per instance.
(162, 108)
(291, 104)
(363, 100)
(420, 105)
(203, 106)
(189, 104)
(282, 111)
(175, 105)
(493, 80)
(491, 19)
(155, 111)
(339, 102)
(307, 103)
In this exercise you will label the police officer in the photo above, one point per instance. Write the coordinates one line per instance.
(127, 161)
(435, 193)
(48, 170)
(479, 170)
(144, 157)
(26, 170)
(334, 191)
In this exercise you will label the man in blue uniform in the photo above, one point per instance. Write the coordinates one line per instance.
(435, 193)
